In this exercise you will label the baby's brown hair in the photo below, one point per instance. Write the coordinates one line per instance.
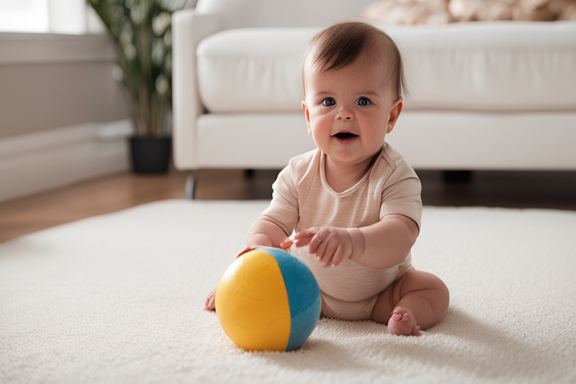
(342, 44)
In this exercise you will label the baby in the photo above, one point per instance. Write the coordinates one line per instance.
(353, 203)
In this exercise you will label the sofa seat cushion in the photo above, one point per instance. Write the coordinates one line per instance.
(507, 66)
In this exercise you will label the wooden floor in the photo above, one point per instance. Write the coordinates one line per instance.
(556, 190)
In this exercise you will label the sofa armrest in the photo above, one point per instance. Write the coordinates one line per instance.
(189, 27)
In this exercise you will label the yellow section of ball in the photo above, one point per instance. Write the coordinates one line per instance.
(252, 303)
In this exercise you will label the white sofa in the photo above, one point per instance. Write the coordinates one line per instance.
(498, 95)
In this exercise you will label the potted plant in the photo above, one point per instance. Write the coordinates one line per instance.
(141, 33)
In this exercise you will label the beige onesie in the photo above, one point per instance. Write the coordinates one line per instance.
(302, 199)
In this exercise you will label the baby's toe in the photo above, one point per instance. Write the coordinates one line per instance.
(403, 324)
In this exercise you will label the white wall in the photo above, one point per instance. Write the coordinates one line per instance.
(63, 117)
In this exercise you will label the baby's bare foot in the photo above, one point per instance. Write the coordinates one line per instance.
(403, 323)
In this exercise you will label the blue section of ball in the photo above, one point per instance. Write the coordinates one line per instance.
(303, 296)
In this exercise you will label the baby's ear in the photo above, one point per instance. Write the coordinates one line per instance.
(395, 112)
(306, 113)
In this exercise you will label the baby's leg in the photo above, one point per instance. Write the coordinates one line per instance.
(417, 300)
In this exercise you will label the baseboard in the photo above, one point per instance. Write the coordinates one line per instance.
(37, 162)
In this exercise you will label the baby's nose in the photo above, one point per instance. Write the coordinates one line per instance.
(345, 114)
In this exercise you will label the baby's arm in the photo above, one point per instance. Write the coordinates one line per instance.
(384, 244)
(381, 245)
(264, 233)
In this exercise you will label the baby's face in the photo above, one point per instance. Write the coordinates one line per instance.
(350, 110)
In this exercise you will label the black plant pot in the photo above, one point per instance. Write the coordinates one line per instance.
(150, 154)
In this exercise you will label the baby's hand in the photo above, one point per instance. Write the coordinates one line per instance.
(287, 242)
(330, 244)
(210, 304)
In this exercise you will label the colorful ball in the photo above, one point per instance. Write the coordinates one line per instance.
(268, 299)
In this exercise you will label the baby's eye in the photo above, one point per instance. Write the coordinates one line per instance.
(363, 102)
(328, 102)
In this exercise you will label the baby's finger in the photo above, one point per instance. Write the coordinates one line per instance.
(318, 239)
(303, 237)
(338, 256)
(209, 305)
(303, 241)
(306, 233)
(210, 300)
(286, 243)
(320, 253)
(326, 250)
(332, 250)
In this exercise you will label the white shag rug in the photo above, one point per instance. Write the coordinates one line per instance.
(119, 299)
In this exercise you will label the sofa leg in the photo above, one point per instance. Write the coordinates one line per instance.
(457, 176)
(190, 189)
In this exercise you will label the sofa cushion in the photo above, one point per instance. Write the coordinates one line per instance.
(252, 70)
(507, 66)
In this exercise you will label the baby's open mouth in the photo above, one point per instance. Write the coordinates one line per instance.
(345, 135)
